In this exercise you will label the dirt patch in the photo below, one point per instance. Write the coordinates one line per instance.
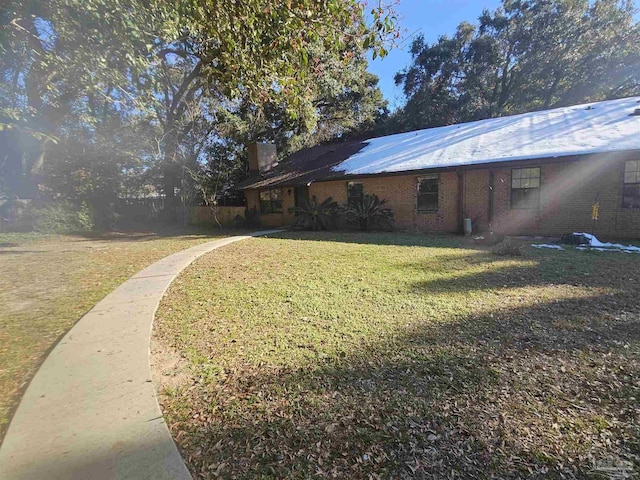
(169, 370)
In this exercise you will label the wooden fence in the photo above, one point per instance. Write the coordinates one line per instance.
(150, 209)
(225, 215)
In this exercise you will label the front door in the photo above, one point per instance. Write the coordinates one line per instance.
(300, 194)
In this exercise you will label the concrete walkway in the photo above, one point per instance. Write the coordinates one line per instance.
(91, 410)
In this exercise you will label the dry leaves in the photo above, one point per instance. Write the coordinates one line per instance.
(522, 377)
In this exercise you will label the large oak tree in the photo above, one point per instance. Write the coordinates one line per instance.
(524, 56)
(72, 64)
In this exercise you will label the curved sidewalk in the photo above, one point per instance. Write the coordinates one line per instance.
(91, 410)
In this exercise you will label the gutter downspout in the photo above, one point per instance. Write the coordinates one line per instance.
(491, 200)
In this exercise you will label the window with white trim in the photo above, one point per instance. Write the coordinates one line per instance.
(428, 189)
(525, 188)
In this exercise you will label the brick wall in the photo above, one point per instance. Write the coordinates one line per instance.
(252, 199)
(446, 219)
(401, 194)
(567, 193)
(476, 197)
(273, 219)
(510, 221)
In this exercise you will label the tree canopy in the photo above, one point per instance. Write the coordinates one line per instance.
(524, 56)
(151, 87)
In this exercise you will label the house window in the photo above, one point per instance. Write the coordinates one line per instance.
(271, 201)
(428, 193)
(355, 192)
(631, 187)
(525, 187)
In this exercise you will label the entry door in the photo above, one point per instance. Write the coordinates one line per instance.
(300, 193)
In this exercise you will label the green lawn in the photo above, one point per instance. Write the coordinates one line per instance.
(400, 356)
(47, 282)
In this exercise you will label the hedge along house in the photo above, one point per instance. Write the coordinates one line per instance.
(534, 173)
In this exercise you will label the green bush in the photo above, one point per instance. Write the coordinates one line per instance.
(62, 217)
(369, 213)
(311, 215)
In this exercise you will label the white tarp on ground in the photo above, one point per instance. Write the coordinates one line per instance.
(591, 242)
(547, 245)
(595, 244)
(590, 128)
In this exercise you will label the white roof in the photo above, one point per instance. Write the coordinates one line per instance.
(590, 128)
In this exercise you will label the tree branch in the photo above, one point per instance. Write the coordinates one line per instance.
(185, 85)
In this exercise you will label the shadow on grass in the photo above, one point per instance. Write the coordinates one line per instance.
(96, 457)
(496, 278)
(539, 391)
(481, 270)
(379, 238)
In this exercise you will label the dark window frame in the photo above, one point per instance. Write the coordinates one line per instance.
(270, 206)
(630, 182)
(525, 197)
(428, 194)
(354, 198)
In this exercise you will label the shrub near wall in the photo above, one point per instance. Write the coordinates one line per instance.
(311, 215)
(369, 214)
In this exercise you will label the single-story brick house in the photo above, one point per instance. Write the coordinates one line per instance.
(534, 173)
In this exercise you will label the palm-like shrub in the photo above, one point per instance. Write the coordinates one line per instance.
(369, 213)
(311, 215)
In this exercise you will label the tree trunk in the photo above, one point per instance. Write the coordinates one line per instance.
(552, 91)
(169, 173)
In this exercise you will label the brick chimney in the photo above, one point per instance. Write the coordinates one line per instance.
(262, 157)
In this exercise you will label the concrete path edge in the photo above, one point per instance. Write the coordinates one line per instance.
(91, 410)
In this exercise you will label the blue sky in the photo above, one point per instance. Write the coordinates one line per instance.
(432, 18)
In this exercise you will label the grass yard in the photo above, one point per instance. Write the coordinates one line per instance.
(400, 356)
(47, 282)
